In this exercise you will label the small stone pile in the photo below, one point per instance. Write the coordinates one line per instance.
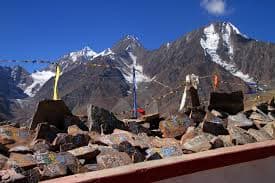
(48, 150)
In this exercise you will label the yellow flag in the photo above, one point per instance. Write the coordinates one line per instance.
(55, 89)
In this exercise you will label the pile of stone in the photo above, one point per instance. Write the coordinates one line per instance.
(53, 148)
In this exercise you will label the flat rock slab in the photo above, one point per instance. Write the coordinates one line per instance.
(260, 135)
(112, 159)
(231, 103)
(197, 144)
(165, 152)
(20, 149)
(25, 161)
(240, 136)
(53, 112)
(239, 120)
(85, 152)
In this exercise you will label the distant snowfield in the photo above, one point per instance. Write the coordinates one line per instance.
(210, 45)
(39, 79)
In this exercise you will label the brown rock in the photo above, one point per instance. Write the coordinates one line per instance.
(163, 142)
(240, 136)
(74, 129)
(260, 135)
(112, 159)
(176, 126)
(20, 149)
(189, 134)
(85, 152)
(197, 144)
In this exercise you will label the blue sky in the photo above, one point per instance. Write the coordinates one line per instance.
(47, 29)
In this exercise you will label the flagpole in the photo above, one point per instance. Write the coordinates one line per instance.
(134, 94)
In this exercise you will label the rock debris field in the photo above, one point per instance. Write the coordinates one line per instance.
(58, 143)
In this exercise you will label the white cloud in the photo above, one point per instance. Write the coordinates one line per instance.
(215, 7)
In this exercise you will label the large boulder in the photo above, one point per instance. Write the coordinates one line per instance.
(103, 121)
(239, 120)
(231, 103)
(53, 112)
(175, 126)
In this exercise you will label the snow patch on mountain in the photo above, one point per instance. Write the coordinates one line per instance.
(107, 52)
(210, 44)
(226, 33)
(128, 71)
(39, 79)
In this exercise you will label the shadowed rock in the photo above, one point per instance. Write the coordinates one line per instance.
(104, 121)
(231, 103)
(53, 112)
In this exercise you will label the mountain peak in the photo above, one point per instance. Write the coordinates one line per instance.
(127, 43)
(85, 52)
(228, 25)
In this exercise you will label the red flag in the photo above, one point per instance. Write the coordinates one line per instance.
(141, 111)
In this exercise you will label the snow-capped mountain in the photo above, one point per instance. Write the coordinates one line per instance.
(221, 35)
(216, 48)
